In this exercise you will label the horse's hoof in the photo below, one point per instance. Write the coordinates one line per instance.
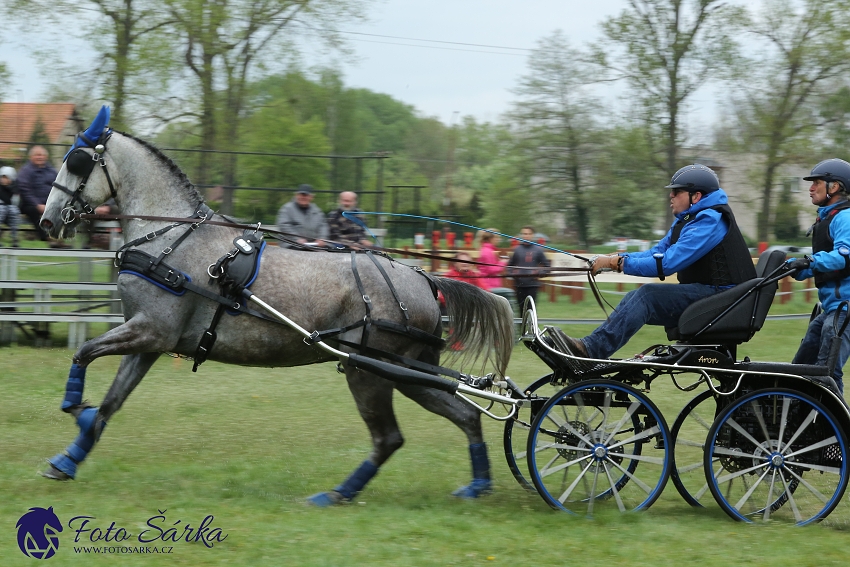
(325, 499)
(478, 487)
(54, 474)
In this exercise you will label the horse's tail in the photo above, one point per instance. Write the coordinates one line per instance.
(480, 323)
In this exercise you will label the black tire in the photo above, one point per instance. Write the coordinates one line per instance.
(515, 438)
(689, 432)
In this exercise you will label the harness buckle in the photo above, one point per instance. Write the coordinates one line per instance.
(150, 235)
(366, 299)
(209, 272)
(402, 305)
(168, 250)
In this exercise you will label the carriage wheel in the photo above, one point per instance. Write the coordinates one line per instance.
(586, 443)
(689, 432)
(516, 431)
(777, 455)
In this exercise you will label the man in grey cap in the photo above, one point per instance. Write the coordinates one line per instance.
(303, 221)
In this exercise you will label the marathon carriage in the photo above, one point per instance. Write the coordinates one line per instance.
(767, 440)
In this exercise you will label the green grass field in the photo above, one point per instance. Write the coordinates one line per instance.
(247, 445)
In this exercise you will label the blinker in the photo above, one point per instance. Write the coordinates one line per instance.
(80, 162)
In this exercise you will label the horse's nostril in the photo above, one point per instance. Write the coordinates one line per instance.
(46, 224)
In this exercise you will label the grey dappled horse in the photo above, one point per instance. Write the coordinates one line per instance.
(317, 290)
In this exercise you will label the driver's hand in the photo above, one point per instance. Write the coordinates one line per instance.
(603, 263)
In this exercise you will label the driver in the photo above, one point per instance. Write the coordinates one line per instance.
(704, 247)
(829, 264)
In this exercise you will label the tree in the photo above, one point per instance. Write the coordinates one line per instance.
(555, 124)
(133, 49)
(225, 41)
(666, 50)
(807, 56)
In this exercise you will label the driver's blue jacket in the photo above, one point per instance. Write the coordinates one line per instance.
(832, 293)
(697, 239)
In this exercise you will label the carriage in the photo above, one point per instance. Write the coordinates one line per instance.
(767, 440)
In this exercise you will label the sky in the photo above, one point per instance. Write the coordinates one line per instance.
(443, 80)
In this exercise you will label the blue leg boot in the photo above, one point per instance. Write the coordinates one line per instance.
(67, 461)
(480, 474)
(348, 489)
(74, 387)
(64, 465)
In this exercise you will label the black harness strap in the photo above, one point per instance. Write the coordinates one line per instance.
(207, 339)
(390, 284)
(367, 320)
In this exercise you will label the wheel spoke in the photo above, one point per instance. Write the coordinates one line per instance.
(689, 468)
(770, 500)
(786, 405)
(832, 440)
(629, 411)
(686, 443)
(742, 472)
(806, 422)
(569, 490)
(749, 493)
(614, 490)
(817, 494)
(814, 467)
(760, 418)
(632, 477)
(592, 499)
(642, 458)
(643, 434)
(791, 501)
(731, 453)
(734, 424)
(569, 427)
(698, 418)
(546, 471)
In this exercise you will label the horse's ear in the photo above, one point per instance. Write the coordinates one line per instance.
(100, 122)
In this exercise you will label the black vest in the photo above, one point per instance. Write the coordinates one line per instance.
(727, 263)
(823, 242)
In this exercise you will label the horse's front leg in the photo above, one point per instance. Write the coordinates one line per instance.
(91, 420)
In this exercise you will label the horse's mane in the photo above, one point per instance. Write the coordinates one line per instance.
(183, 180)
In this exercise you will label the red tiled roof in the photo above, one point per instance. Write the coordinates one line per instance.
(18, 120)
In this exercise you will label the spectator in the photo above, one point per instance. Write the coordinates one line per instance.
(302, 220)
(491, 267)
(704, 247)
(35, 180)
(10, 214)
(463, 271)
(345, 230)
(524, 267)
(828, 264)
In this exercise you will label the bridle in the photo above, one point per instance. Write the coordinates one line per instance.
(78, 162)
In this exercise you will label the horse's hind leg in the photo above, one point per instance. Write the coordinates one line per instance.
(92, 420)
(469, 421)
(374, 398)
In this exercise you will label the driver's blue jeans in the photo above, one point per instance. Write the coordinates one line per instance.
(650, 304)
(814, 349)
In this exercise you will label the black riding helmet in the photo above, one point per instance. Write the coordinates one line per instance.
(695, 178)
(830, 170)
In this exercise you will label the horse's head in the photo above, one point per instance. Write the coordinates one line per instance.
(80, 186)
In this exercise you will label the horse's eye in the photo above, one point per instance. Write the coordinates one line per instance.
(80, 162)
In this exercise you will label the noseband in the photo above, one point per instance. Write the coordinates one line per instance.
(78, 162)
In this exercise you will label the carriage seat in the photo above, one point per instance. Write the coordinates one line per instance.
(700, 323)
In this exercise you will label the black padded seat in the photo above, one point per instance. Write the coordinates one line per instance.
(697, 323)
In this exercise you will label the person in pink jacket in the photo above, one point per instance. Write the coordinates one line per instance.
(491, 265)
